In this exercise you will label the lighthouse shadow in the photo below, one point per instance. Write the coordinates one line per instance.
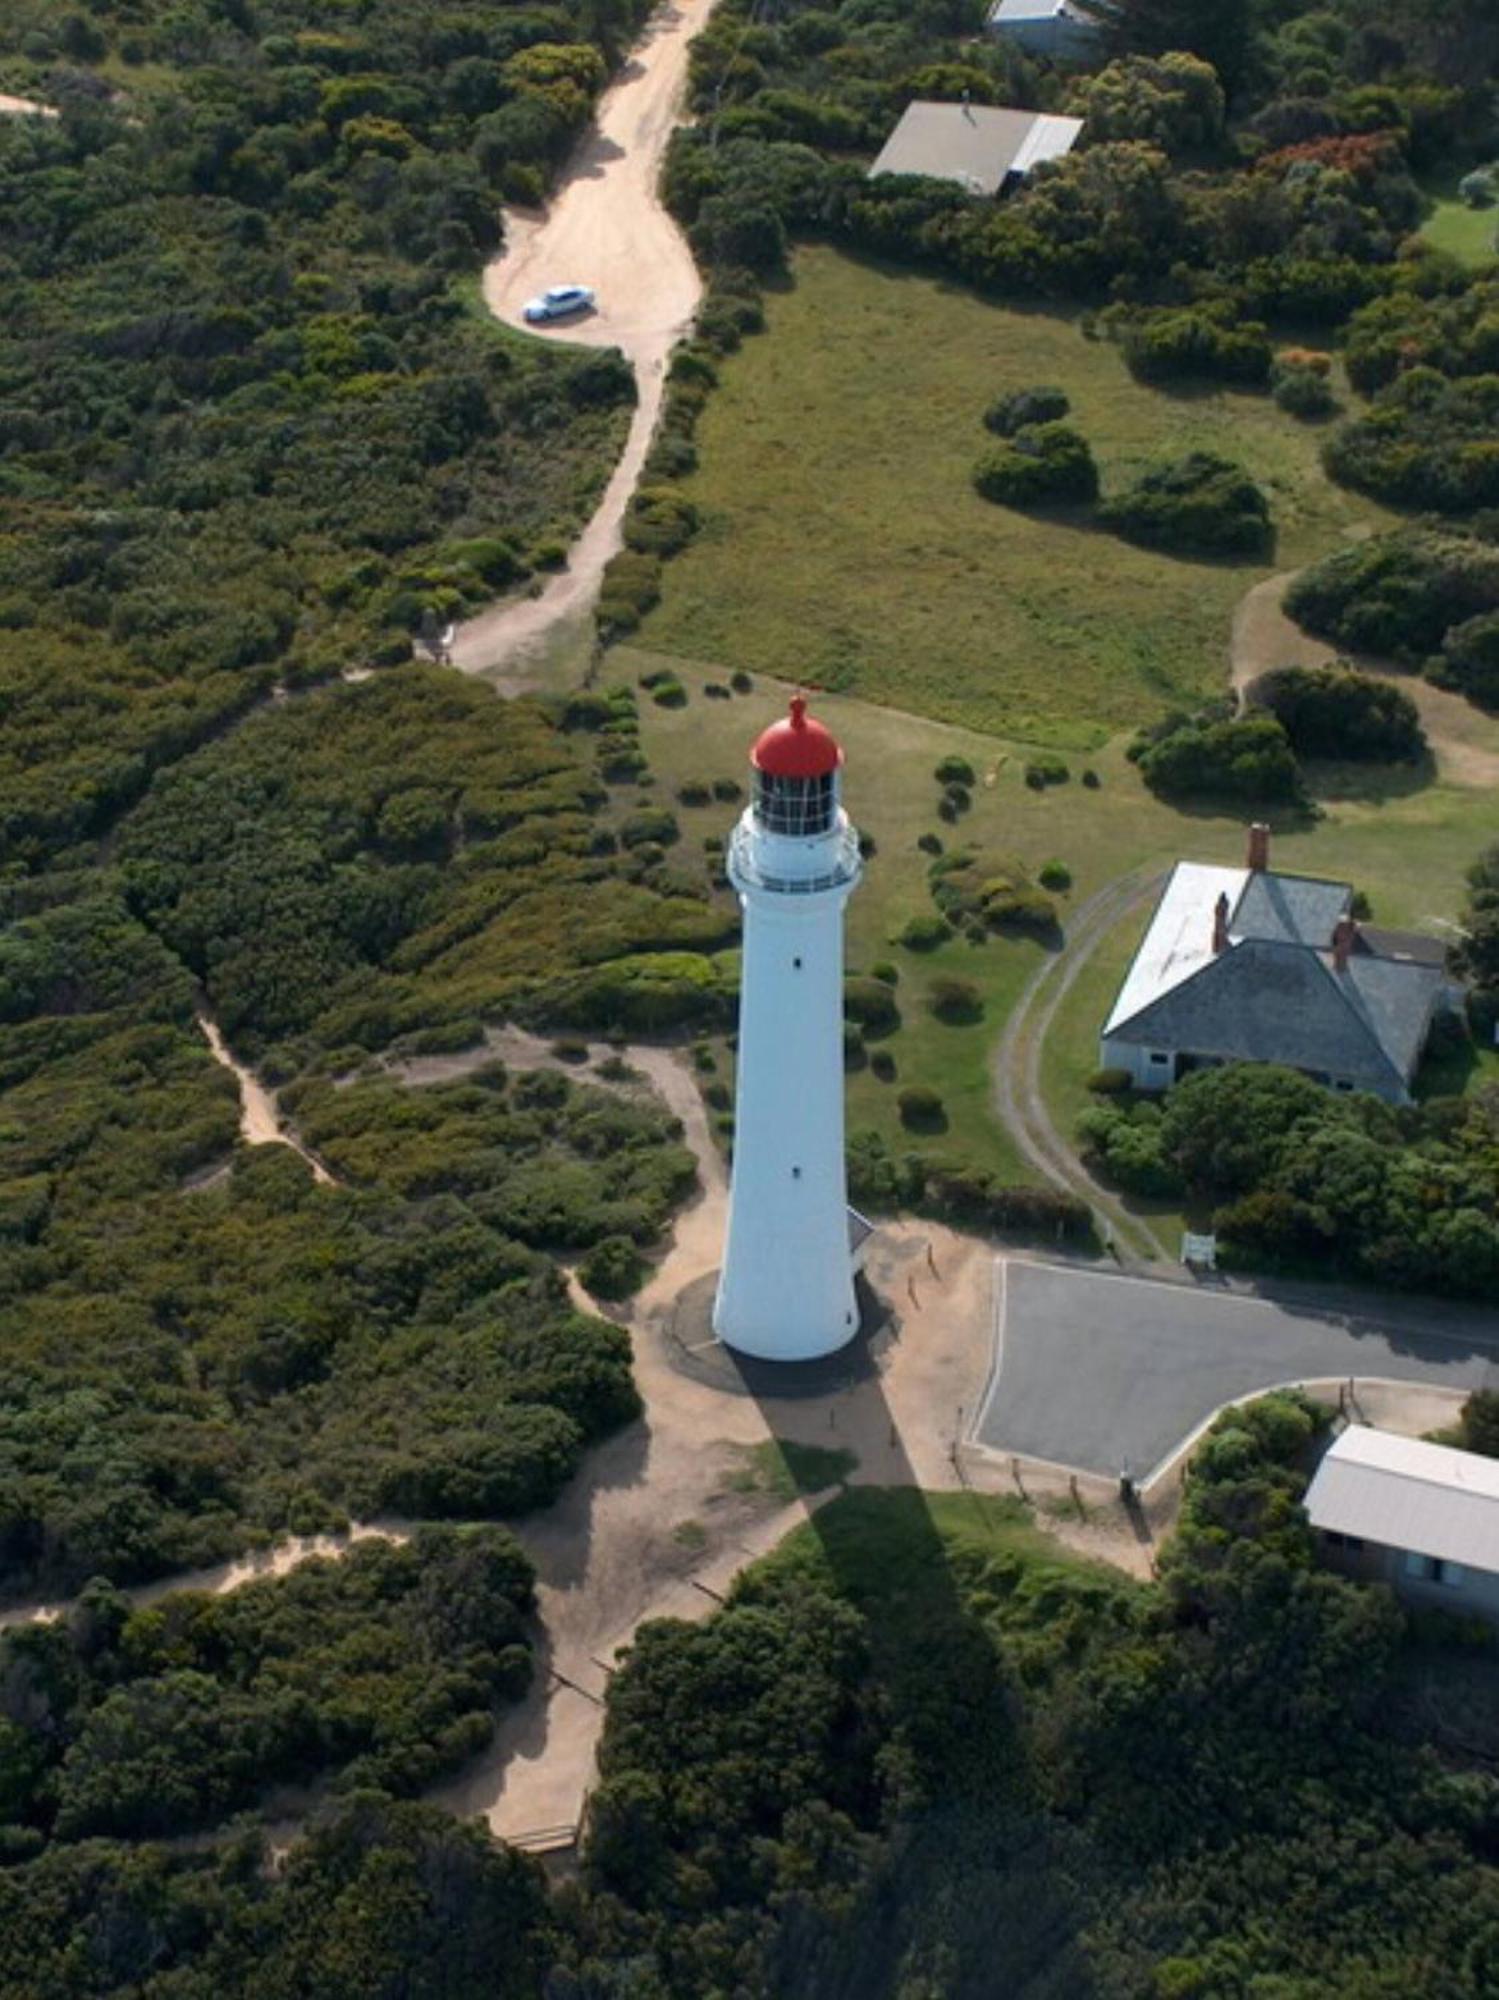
(976, 1855)
(694, 1350)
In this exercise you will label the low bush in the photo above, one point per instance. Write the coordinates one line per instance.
(1248, 759)
(1091, 781)
(929, 843)
(1398, 594)
(631, 586)
(656, 824)
(1336, 712)
(955, 771)
(921, 1109)
(727, 790)
(959, 798)
(741, 682)
(1426, 442)
(955, 1001)
(1055, 875)
(882, 1065)
(613, 1268)
(693, 793)
(886, 972)
(1019, 907)
(1109, 1082)
(871, 1004)
(1024, 408)
(1301, 382)
(1043, 771)
(1197, 505)
(659, 521)
(1198, 343)
(925, 933)
(669, 694)
(1046, 465)
(1127, 1144)
(855, 1055)
(1469, 661)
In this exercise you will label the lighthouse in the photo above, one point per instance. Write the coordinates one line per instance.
(786, 1291)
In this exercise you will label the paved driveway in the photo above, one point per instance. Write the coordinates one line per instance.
(1101, 1372)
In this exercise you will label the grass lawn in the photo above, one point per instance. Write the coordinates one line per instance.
(1407, 848)
(1465, 233)
(843, 542)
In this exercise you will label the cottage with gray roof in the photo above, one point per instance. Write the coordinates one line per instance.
(982, 147)
(1249, 965)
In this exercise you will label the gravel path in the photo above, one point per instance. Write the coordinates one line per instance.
(1017, 1065)
(604, 227)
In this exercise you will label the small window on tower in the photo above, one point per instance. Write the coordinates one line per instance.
(796, 1173)
(796, 965)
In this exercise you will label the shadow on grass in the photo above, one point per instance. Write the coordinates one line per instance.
(1370, 784)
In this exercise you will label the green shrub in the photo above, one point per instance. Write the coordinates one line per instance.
(693, 793)
(1043, 771)
(727, 790)
(929, 843)
(669, 694)
(882, 1065)
(855, 1054)
(1198, 343)
(1019, 907)
(631, 586)
(1047, 465)
(955, 771)
(1197, 505)
(955, 1001)
(871, 1004)
(1398, 593)
(1469, 661)
(1109, 1082)
(569, 1049)
(886, 972)
(957, 797)
(925, 933)
(1022, 409)
(1426, 442)
(741, 682)
(613, 1268)
(655, 824)
(659, 521)
(1091, 781)
(1248, 760)
(1055, 875)
(1337, 712)
(921, 1109)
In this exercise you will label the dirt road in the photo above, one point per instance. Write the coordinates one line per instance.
(606, 228)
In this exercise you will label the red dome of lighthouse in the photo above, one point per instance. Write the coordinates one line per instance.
(797, 747)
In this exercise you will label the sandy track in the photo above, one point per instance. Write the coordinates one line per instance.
(24, 107)
(605, 227)
(1264, 638)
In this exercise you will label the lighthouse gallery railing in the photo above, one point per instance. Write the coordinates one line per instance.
(844, 870)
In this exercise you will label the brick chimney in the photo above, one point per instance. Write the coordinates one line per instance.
(1345, 931)
(1220, 925)
(1258, 857)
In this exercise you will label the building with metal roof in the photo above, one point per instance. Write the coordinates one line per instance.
(1419, 1516)
(981, 146)
(1249, 965)
(1045, 27)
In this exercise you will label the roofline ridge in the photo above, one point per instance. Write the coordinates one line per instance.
(1325, 957)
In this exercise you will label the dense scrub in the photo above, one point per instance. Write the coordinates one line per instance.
(1009, 1760)
(185, 1370)
(1424, 596)
(250, 430)
(384, 1667)
(1338, 712)
(1198, 505)
(1301, 1177)
(1219, 756)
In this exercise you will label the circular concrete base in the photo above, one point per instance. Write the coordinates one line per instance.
(692, 1347)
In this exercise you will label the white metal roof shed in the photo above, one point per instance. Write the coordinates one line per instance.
(1405, 1493)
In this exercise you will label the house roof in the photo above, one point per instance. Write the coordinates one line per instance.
(1006, 11)
(1405, 1493)
(1276, 994)
(977, 145)
(1406, 947)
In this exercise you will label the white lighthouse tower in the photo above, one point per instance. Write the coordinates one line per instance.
(786, 1292)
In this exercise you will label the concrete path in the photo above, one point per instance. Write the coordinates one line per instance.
(604, 227)
(1100, 1372)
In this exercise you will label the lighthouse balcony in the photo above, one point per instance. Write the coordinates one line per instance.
(832, 863)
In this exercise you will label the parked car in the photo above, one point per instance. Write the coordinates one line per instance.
(558, 302)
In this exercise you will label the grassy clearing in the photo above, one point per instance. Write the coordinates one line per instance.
(1469, 234)
(784, 1469)
(1407, 848)
(843, 541)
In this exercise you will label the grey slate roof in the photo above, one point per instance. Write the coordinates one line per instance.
(1271, 1000)
(1296, 909)
(1406, 947)
(977, 145)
